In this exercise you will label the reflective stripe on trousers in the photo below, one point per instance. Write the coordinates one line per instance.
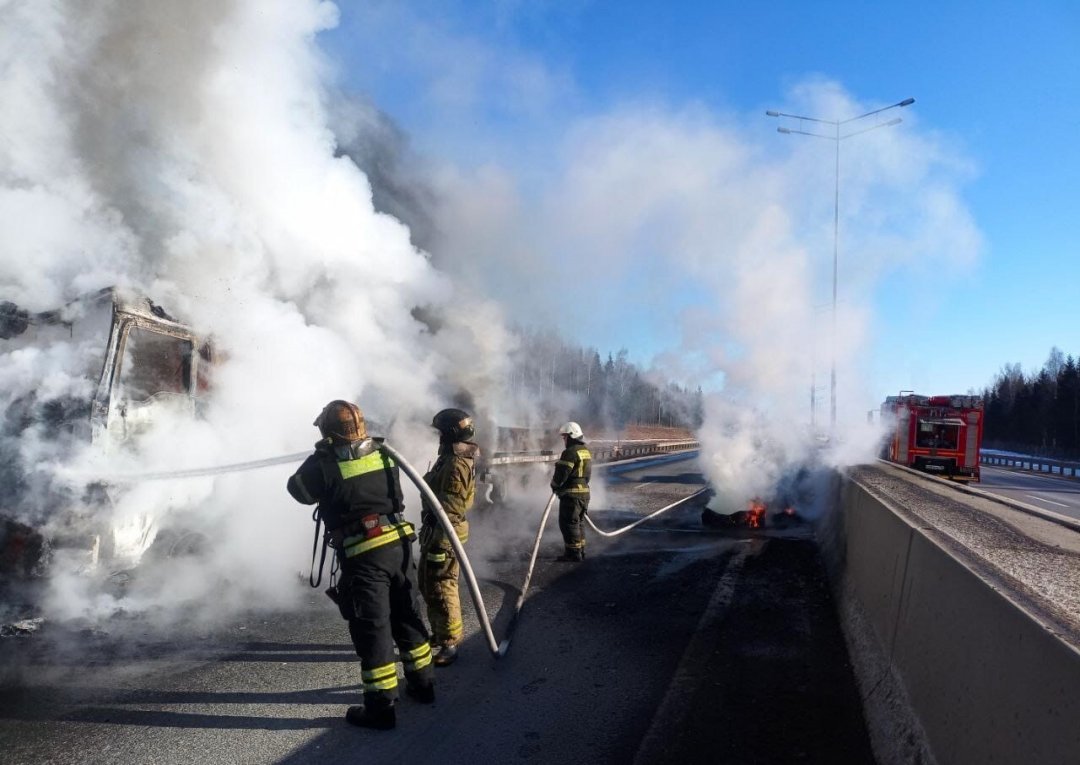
(380, 678)
(417, 658)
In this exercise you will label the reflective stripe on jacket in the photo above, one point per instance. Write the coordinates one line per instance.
(573, 470)
(363, 484)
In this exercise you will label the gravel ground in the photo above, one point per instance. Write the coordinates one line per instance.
(1035, 561)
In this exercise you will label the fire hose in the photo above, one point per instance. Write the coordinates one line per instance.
(505, 645)
(640, 521)
(459, 549)
(497, 649)
(236, 467)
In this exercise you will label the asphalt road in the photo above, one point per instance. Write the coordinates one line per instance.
(1057, 495)
(671, 643)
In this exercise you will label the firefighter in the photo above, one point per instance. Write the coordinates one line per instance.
(571, 484)
(358, 492)
(453, 481)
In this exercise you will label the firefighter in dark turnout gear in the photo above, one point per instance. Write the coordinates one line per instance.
(357, 488)
(453, 481)
(571, 484)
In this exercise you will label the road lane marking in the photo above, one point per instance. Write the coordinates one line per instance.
(643, 484)
(1048, 501)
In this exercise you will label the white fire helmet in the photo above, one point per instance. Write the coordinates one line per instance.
(571, 429)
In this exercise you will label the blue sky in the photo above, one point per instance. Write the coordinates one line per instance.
(503, 93)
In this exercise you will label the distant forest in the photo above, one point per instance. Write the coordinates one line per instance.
(610, 392)
(1037, 413)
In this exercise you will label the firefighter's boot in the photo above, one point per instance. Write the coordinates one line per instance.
(445, 655)
(422, 692)
(572, 555)
(375, 715)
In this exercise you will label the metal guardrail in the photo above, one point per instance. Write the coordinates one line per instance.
(1033, 464)
(625, 452)
(600, 454)
(496, 471)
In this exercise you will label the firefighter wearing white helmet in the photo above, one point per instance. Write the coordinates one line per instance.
(571, 484)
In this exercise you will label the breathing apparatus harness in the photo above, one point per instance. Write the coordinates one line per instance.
(367, 526)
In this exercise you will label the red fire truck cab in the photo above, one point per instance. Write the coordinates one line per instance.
(937, 434)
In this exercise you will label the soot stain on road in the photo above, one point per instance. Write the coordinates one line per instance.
(777, 685)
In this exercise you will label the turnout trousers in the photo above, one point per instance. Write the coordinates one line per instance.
(377, 594)
(572, 509)
(439, 571)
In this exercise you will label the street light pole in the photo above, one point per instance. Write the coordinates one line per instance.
(835, 275)
(836, 138)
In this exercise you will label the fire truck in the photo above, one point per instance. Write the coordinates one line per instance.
(936, 434)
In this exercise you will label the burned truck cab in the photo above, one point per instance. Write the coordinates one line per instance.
(151, 362)
(117, 361)
(134, 357)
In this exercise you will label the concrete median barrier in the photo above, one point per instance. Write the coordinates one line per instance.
(985, 681)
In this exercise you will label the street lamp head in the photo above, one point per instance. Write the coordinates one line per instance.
(771, 113)
(906, 102)
(783, 130)
(892, 122)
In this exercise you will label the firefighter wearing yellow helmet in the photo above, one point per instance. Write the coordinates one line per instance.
(571, 484)
(358, 491)
(453, 481)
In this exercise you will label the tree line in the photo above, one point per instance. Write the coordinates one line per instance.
(1037, 413)
(610, 392)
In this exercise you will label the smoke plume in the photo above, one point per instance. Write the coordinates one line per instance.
(196, 153)
(720, 231)
(182, 151)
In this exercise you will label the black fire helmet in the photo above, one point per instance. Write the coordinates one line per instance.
(454, 425)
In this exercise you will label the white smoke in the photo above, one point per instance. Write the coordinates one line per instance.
(182, 150)
(717, 228)
(721, 231)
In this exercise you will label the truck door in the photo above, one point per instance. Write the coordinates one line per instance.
(156, 376)
(903, 434)
(971, 446)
